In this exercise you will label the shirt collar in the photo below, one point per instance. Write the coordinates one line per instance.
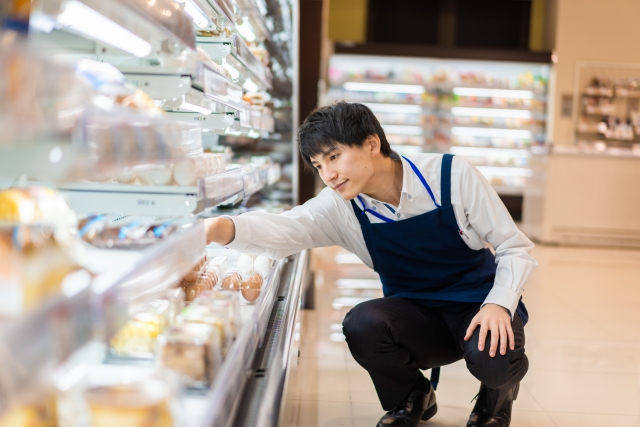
(407, 179)
(407, 182)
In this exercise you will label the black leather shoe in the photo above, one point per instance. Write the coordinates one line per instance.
(417, 406)
(493, 407)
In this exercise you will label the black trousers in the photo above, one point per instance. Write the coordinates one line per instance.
(393, 338)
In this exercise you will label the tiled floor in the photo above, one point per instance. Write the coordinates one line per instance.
(583, 343)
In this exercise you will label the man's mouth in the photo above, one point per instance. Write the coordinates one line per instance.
(339, 186)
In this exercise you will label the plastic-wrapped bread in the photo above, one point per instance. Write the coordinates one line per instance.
(215, 316)
(191, 349)
(136, 404)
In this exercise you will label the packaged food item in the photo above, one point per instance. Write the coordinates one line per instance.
(36, 248)
(138, 337)
(252, 285)
(193, 350)
(193, 275)
(176, 300)
(137, 404)
(214, 315)
(228, 300)
(41, 414)
(232, 281)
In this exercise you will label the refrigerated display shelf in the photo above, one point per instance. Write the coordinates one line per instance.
(138, 27)
(271, 328)
(34, 343)
(236, 53)
(159, 200)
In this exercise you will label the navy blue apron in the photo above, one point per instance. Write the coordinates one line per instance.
(424, 258)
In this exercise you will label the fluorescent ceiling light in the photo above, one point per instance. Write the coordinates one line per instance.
(246, 31)
(250, 86)
(402, 130)
(195, 13)
(491, 112)
(498, 171)
(78, 17)
(195, 108)
(492, 93)
(383, 87)
(491, 132)
(394, 108)
(490, 152)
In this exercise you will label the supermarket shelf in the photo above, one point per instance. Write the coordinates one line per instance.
(273, 323)
(199, 85)
(33, 344)
(160, 200)
(139, 27)
(147, 274)
(237, 54)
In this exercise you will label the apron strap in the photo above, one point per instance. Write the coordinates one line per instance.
(360, 214)
(422, 180)
(445, 179)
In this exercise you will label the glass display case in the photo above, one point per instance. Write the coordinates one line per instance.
(490, 112)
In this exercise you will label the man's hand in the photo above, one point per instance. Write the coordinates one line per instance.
(496, 319)
(220, 230)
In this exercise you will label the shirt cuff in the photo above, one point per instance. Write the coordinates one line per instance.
(242, 238)
(503, 297)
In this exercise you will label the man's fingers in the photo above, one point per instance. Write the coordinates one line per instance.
(503, 339)
(495, 337)
(472, 327)
(483, 336)
(512, 338)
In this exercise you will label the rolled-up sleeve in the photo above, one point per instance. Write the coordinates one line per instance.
(488, 216)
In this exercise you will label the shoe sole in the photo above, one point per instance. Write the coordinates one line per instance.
(429, 413)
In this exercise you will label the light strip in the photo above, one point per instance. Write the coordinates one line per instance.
(498, 171)
(491, 132)
(383, 87)
(394, 108)
(195, 108)
(490, 152)
(247, 32)
(492, 93)
(81, 18)
(235, 74)
(491, 112)
(402, 130)
(195, 13)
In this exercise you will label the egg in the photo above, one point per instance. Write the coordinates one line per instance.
(251, 286)
(244, 264)
(185, 172)
(262, 265)
(232, 281)
(193, 290)
(162, 175)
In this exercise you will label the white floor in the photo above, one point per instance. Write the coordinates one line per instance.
(583, 343)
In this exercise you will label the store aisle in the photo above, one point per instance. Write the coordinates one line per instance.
(583, 342)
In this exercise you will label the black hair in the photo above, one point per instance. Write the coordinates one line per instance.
(341, 123)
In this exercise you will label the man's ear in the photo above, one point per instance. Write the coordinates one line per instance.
(374, 144)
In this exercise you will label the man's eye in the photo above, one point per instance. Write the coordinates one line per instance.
(335, 156)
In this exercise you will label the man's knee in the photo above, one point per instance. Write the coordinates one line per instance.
(365, 319)
(498, 371)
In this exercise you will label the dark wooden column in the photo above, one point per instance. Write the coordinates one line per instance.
(309, 46)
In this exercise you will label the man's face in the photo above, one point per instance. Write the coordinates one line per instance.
(345, 169)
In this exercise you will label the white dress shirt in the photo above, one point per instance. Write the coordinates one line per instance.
(328, 220)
